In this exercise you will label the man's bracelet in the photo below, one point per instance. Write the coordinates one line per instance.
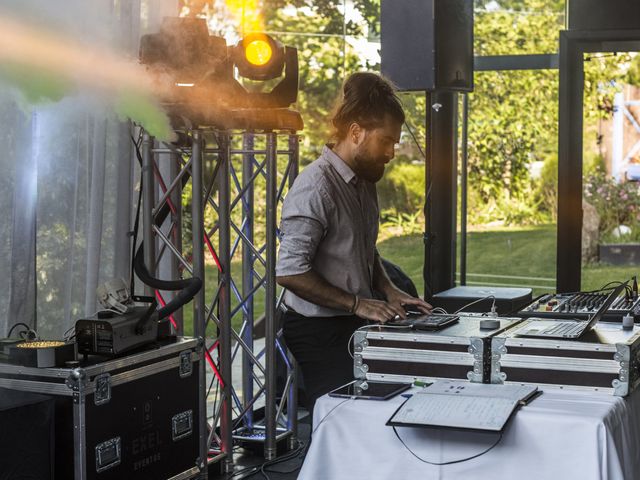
(356, 302)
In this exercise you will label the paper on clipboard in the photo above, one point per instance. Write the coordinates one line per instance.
(462, 405)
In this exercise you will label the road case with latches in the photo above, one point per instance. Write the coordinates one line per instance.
(131, 417)
(459, 351)
(605, 359)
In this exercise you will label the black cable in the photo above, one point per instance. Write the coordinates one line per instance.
(427, 282)
(136, 222)
(275, 461)
(300, 455)
(424, 157)
(415, 140)
(614, 282)
(452, 461)
(262, 468)
(16, 325)
(627, 287)
(301, 449)
(248, 471)
(605, 287)
(165, 209)
(188, 287)
(28, 335)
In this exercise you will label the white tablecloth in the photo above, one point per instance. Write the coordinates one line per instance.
(560, 435)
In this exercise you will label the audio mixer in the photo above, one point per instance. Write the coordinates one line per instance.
(581, 305)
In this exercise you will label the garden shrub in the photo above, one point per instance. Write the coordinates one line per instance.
(617, 203)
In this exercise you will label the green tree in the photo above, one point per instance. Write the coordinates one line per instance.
(317, 29)
(513, 114)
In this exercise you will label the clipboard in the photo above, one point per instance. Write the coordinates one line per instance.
(463, 406)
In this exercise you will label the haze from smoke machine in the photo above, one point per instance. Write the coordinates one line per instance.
(48, 60)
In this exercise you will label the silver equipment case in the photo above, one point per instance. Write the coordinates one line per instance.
(130, 417)
(605, 359)
(459, 351)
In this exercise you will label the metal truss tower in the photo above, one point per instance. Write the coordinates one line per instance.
(234, 182)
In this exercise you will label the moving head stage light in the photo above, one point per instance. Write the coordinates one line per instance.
(204, 89)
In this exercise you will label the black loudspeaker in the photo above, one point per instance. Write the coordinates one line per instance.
(604, 15)
(428, 44)
(508, 300)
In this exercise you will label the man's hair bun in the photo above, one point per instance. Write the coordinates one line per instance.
(367, 99)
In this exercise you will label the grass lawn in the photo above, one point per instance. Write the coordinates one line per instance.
(500, 257)
(504, 257)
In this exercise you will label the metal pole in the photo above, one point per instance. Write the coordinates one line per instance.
(148, 200)
(77, 380)
(463, 189)
(270, 298)
(292, 402)
(224, 305)
(570, 144)
(197, 229)
(247, 274)
(176, 238)
(442, 169)
(426, 238)
(294, 148)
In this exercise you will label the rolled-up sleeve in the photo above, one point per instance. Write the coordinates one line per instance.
(303, 225)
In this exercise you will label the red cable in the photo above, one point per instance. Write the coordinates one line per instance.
(215, 259)
(212, 251)
(213, 367)
(163, 186)
(163, 303)
(217, 262)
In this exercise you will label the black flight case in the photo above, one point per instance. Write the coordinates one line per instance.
(459, 351)
(605, 359)
(129, 417)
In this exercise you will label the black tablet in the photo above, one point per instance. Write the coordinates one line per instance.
(370, 390)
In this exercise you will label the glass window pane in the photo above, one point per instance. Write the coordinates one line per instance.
(611, 168)
(401, 194)
(511, 27)
(512, 180)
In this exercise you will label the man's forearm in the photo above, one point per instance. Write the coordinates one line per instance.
(315, 289)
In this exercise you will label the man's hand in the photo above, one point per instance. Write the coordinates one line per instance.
(378, 310)
(396, 298)
(399, 299)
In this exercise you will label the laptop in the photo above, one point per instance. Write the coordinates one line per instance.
(537, 327)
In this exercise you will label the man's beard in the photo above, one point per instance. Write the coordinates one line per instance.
(367, 168)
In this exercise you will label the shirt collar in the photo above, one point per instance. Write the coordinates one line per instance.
(339, 165)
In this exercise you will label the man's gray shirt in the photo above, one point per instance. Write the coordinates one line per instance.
(329, 224)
